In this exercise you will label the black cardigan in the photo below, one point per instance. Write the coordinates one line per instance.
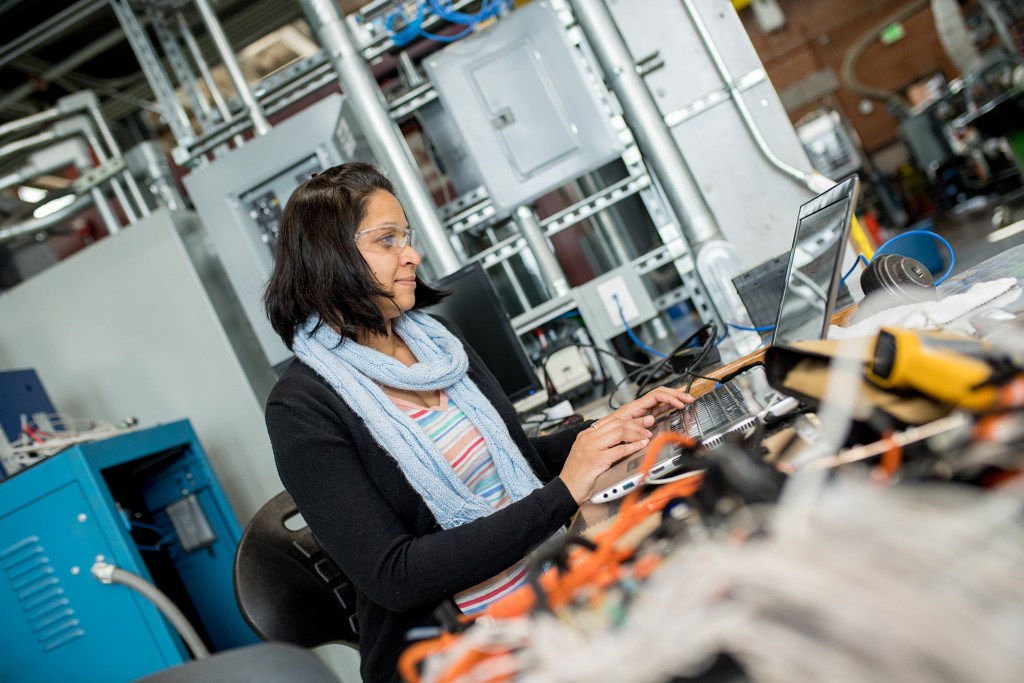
(371, 521)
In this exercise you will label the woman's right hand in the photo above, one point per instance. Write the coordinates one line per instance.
(599, 447)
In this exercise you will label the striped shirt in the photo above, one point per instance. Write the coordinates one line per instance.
(464, 448)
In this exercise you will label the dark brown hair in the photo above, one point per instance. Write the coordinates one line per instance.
(318, 269)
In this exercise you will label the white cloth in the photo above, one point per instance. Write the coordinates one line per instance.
(949, 312)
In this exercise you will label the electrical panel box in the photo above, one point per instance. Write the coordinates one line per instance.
(753, 202)
(522, 105)
(115, 500)
(240, 198)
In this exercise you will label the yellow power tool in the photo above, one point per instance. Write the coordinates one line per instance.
(950, 368)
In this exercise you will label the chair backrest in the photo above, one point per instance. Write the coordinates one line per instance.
(286, 586)
(260, 663)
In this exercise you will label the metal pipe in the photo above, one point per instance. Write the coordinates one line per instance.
(108, 573)
(82, 126)
(48, 30)
(607, 231)
(207, 75)
(549, 267)
(93, 107)
(848, 66)
(741, 105)
(384, 137)
(17, 177)
(260, 124)
(106, 213)
(31, 141)
(148, 160)
(31, 225)
(30, 121)
(204, 68)
(648, 125)
(100, 45)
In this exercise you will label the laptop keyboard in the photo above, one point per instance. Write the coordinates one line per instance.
(723, 404)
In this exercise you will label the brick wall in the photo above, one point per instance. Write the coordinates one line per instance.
(819, 32)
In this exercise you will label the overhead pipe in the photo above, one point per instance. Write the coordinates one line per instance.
(82, 126)
(27, 143)
(383, 135)
(47, 30)
(77, 126)
(28, 122)
(848, 66)
(58, 155)
(33, 225)
(87, 101)
(67, 108)
(65, 66)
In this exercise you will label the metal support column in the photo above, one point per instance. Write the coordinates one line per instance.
(382, 133)
(220, 40)
(641, 113)
(207, 75)
(173, 112)
(550, 269)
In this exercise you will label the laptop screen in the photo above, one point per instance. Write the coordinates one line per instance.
(812, 277)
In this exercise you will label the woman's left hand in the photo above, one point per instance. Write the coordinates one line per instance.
(654, 402)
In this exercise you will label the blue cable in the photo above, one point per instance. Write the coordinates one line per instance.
(632, 334)
(940, 238)
(860, 259)
(143, 525)
(449, 14)
(446, 39)
(412, 29)
(762, 328)
(441, 8)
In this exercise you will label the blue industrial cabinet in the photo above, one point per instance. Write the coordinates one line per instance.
(109, 500)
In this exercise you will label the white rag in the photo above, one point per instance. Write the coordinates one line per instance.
(949, 312)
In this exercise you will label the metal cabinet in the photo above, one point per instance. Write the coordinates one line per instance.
(146, 501)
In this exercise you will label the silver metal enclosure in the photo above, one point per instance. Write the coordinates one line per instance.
(754, 203)
(241, 196)
(145, 324)
(522, 103)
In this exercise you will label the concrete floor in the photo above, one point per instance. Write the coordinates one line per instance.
(973, 235)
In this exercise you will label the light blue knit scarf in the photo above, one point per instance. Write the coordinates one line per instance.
(357, 372)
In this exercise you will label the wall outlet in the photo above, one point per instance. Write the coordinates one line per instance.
(614, 293)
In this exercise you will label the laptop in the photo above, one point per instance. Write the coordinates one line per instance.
(812, 286)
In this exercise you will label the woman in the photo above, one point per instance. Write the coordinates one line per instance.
(404, 457)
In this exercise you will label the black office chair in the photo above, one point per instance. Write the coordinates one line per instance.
(262, 663)
(286, 586)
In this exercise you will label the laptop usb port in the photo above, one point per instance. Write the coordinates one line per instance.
(628, 485)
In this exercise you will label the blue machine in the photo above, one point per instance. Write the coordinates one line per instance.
(146, 501)
(21, 393)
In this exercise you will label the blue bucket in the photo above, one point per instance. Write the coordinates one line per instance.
(921, 247)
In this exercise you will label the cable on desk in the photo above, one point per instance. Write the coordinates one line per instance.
(632, 334)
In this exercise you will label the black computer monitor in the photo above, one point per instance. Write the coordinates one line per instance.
(474, 307)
